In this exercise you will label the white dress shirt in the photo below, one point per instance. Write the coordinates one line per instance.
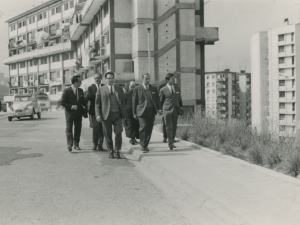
(171, 88)
(109, 88)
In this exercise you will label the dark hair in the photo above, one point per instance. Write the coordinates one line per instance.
(168, 76)
(74, 79)
(107, 73)
(145, 74)
(99, 74)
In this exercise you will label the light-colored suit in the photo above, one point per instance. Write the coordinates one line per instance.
(172, 107)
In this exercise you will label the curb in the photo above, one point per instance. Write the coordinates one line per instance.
(217, 212)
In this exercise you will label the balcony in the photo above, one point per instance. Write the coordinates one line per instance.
(90, 8)
(37, 53)
(208, 35)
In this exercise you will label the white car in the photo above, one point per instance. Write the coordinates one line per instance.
(24, 105)
(44, 102)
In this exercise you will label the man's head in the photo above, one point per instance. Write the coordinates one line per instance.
(132, 85)
(170, 79)
(97, 78)
(110, 78)
(146, 78)
(76, 81)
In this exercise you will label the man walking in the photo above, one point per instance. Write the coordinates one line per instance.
(110, 109)
(165, 136)
(75, 105)
(98, 135)
(131, 124)
(170, 99)
(145, 106)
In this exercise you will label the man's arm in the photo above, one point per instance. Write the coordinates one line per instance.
(64, 100)
(90, 96)
(161, 97)
(98, 105)
(158, 102)
(134, 101)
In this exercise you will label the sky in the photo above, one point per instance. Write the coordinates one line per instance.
(237, 20)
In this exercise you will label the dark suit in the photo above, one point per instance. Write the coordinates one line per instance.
(98, 135)
(145, 114)
(163, 121)
(111, 118)
(131, 124)
(73, 116)
(172, 107)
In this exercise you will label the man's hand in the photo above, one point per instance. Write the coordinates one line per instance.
(74, 107)
(135, 116)
(99, 119)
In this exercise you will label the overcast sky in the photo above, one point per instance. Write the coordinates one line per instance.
(237, 20)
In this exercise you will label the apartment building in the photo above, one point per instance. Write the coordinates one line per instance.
(244, 95)
(274, 60)
(60, 38)
(222, 94)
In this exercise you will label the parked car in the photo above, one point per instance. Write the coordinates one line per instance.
(44, 101)
(24, 105)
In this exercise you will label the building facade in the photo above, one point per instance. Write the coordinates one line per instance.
(274, 60)
(244, 95)
(60, 38)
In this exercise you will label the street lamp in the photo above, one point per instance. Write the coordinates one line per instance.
(148, 26)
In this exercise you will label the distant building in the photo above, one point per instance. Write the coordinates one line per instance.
(244, 96)
(4, 90)
(274, 73)
(60, 38)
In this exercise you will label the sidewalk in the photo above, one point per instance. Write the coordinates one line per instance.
(228, 190)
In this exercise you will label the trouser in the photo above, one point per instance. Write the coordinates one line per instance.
(164, 128)
(113, 119)
(77, 130)
(171, 125)
(146, 126)
(131, 127)
(98, 135)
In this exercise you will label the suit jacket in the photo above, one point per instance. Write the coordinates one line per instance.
(170, 102)
(128, 102)
(69, 98)
(91, 97)
(139, 99)
(102, 102)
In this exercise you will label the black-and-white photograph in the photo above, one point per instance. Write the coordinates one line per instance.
(149, 112)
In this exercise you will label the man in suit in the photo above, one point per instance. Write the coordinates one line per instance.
(165, 136)
(170, 99)
(145, 105)
(110, 109)
(75, 105)
(131, 124)
(98, 135)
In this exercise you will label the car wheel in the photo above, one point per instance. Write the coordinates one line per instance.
(32, 115)
(9, 118)
(39, 115)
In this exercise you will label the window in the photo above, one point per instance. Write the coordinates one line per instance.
(292, 36)
(58, 9)
(40, 17)
(52, 11)
(293, 60)
(281, 105)
(213, 77)
(66, 6)
(24, 23)
(127, 67)
(24, 37)
(281, 37)
(19, 25)
(282, 83)
(53, 76)
(13, 66)
(281, 60)
(207, 77)
(281, 71)
(293, 72)
(22, 64)
(293, 48)
(56, 58)
(281, 116)
(281, 94)
(13, 27)
(44, 15)
(105, 8)
(44, 60)
(207, 91)
(33, 62)
(71, 4)
(281, 49)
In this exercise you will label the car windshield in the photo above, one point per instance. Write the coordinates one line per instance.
(42, 98)
(22, 99)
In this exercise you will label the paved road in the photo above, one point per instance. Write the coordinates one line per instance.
(42, 183)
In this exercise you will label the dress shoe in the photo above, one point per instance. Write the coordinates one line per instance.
(135, 141)
(144, 150)
(111, 154)
(77, 147)
(174, 146)
(70, 148)
(95, 147)
(100, 148)
(131, 141)
(176, 140)
(118, 155)
(165, 140)
(147, 149)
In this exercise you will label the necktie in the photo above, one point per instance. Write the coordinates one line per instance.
(76, 94)
(111, 91)
(172, 90)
